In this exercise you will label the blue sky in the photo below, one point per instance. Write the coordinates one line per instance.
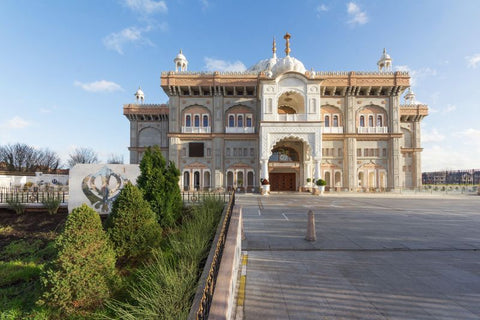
(67, 67)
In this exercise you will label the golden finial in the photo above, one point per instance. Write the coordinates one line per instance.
(274, 48)
(287, 45)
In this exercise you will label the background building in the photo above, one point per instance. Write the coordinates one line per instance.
(284, 123)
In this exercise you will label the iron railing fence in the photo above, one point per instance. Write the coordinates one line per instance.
(32, 196)
(207, 296)
(194, 197)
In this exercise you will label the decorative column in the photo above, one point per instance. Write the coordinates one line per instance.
(317, 163)
(264, 173)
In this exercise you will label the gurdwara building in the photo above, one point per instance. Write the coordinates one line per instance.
(281, 122)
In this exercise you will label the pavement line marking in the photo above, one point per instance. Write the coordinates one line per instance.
(285, 216)
(243, 280)
(259, 212)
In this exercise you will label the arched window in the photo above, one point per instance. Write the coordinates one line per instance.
(249, 121)
(370, 121)
(327, 121)
(197, 120)
(240, 121)
(379, 121)
(362, 121)
(205, 121)
(186, 180)
(335, 121)
(188, 121)
(231, 121)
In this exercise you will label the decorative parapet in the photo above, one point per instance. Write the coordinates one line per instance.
(413, 112)
(146, 112)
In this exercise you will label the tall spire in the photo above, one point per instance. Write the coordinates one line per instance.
(274, 48)
(287, 44)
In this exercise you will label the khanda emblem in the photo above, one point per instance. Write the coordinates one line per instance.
(102, 188)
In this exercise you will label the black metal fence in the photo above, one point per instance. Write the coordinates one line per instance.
(209, 288)
(7, 194)
(193, 197)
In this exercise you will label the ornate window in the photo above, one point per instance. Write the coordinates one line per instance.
(370, 121)
(205, 120)
(327, 121)
(362, 121)
(240, 121)
(188, 120)
(231, 121)
(284, 154)
(335, 121)
(197, 120)
(249, 121)
(379, 121)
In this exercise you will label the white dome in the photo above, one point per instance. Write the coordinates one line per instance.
(288, 64)
(139, 92)
(264, 65)
(180, 56)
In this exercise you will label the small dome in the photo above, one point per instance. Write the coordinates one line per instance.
(410, 97)
(139, 92)
(288, 64)
(180, 56)
(385, 62)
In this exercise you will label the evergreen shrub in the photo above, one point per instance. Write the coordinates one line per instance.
(132, 226)
(79, 279)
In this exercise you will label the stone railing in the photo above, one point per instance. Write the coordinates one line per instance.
(239, 130)
(196, 129)
(332, 130)
(372, 129)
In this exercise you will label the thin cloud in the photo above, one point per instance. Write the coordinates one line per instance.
(473, 61)
(132, 35)
(205, 4)
(417, 74)
(146, 7)
(16, 123)
(432, 136)
(356, 16)
(99, 86)
(321, 8)
(222, 65)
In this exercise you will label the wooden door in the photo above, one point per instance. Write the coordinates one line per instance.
(282, 181)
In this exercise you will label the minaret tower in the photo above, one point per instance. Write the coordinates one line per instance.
(410, 97)
(385, 62)
(181, 62)
(139, 96)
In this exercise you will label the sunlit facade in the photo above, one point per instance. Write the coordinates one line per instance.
(281, 122)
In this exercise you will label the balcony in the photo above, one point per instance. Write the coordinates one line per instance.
(291, 117)
(332, 130)
(239, 130)
(196, 129)
(372, 129)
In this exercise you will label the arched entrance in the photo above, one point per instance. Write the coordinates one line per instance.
(285, 165)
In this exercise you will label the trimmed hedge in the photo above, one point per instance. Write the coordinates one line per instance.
(132, 226)
(79, 279)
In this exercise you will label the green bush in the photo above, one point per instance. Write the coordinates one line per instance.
(131, 225)
(51, 204)
(321, 182)
(164, 288)
(16, 205)
(159, 184)
(79, 278)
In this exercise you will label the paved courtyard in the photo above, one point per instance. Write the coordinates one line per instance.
(375, 257)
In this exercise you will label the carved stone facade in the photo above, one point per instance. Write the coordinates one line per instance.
(229, 130)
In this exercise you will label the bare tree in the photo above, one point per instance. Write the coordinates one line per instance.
(24, 158)
(115, 159)
(48, 160)
(19, 157)
(82, 155)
